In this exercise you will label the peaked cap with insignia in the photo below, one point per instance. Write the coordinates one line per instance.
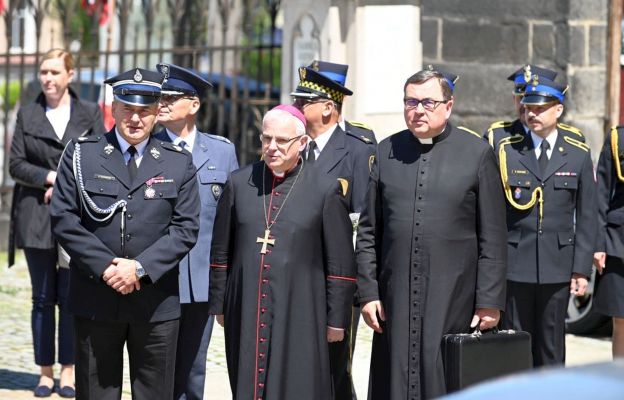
(323, 79)
(137, 87)
(524, 75)
(450, 78)
(543, 91)
(182, 81)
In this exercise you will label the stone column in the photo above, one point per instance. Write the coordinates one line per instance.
(379, 40)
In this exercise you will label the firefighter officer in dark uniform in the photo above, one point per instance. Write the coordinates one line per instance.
(126, 209)
(551, 220)
(345, 153)
(502, 129)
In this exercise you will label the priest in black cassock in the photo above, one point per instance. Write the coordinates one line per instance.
(431, 247)
(282, 268)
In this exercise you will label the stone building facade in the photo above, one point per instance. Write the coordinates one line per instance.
(485, 41)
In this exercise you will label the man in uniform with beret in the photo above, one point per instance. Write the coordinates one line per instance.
(502, 129)
(345, 152)
(126, 209)
(551, 220)
(214, 157)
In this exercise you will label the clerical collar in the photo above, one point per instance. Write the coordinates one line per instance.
(282, 175)
(188, 139)
(445, 132)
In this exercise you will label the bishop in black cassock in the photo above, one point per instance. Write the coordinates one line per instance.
(431, 247)
(282, 269)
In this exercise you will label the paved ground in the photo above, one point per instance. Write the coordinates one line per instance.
(19, 375)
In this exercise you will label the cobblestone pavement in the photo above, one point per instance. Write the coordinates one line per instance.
(19, 374)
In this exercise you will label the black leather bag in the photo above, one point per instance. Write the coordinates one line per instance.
(474, 357)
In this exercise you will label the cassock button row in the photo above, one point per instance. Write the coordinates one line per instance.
(260, 384)
(260, 355)
(263, 310)
(262, 340)
(260, 370)
(274, 208)
(267, 266)
(277, 193)
(264, 295)
(265, 280)
(262, 325)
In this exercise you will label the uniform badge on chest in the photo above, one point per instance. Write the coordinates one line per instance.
(517, 193)
(216, 191)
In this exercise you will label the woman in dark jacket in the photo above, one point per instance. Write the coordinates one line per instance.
(42, 130)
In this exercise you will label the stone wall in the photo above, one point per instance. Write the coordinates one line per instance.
(483, 42)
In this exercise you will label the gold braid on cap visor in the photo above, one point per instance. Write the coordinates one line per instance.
(505, 178)
(616, 153)
(332, 93)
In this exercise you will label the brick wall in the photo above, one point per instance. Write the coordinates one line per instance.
(485, 41)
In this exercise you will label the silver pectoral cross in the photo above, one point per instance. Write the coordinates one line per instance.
(265, 241)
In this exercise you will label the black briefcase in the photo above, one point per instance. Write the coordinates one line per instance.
(474, 357)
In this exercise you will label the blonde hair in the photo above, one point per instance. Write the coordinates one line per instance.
(68, 60)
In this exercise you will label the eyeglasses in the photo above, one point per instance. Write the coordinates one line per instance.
(281, 142)
(301, 102)
(427, 104)
(172, 98)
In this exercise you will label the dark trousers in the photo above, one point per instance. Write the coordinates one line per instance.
(341, 360)
(539, 309)
(50, 286)
(193, 339)
(99, 359)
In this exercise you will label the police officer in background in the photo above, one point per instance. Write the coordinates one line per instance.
(502, 129)
(126, 209)
(551, 220)
(214, 157)
(346, 154)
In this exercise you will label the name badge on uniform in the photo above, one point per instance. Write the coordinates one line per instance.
(517, 193)
(216, 191)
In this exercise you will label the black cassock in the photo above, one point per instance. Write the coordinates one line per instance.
(278, 305)
(432, 247)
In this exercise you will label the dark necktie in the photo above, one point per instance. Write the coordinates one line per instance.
(182, 144)
(132, 167)
(311, 155)
(543, 158)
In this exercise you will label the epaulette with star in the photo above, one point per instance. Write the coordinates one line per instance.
(470, 131)
(576, 143)
(88, 139)
(572, 131)
(221, 138)
(500, 124)
(360, 137)
(498, 127)
(360, 125)
(173, 147)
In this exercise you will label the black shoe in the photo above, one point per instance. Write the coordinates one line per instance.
(67, 392)
(43, 391)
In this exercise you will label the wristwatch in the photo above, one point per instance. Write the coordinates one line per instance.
(140, 271)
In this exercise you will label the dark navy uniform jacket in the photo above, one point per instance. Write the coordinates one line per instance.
(548, 249)
(348, 156)
(161, 226)
(214, 157)
(610, 174)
